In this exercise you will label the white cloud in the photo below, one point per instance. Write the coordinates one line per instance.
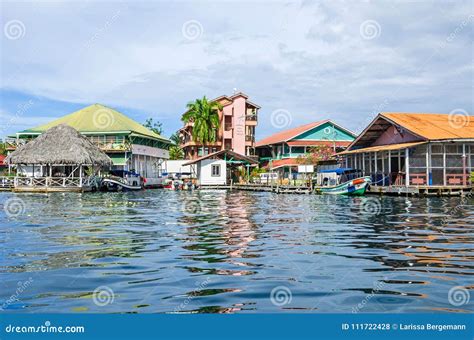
(308, 58)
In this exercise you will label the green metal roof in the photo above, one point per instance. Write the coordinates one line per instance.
(98, 119)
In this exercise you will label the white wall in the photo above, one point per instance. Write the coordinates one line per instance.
(205, 172)
(176, 166)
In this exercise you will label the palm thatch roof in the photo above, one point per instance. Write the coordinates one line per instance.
(59, 145)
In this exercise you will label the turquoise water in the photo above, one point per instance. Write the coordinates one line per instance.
(234, 252)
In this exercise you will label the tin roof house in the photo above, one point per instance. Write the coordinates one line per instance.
(415, 150)
(130, 145)
(282, 149)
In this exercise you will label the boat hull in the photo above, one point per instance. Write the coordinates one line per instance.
(113, 185)
(355, 187)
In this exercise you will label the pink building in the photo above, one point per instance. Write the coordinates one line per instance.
(238, 119)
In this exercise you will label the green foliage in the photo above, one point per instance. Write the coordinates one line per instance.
(205, 117)
(472, 178)
(317, 154)
(257, 171)
(3, 151)
(176, 152)
(156, 127)
(174, 138)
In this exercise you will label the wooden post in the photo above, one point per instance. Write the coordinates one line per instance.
(464, 172)
(407, 167)
(428, 149)
(444, 165)
(363, 163)
(375, 165)
(389, 167)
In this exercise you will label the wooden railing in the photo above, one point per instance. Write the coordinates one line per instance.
(6, 182)
(52, 182)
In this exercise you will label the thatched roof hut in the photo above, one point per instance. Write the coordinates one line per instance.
(60, 145)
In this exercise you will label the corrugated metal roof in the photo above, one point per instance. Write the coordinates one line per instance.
(382, 148)
(435, 126)
(98, 118)
(283, 136)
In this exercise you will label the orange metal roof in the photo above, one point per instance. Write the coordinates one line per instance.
(434, 126)
(283, 136)
(382, 148)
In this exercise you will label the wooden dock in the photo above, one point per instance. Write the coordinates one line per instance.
(421, 191)
(279, 189)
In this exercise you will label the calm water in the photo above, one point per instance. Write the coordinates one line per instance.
(234, 252)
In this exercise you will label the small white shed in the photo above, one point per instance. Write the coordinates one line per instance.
(212, 172)
(215, 168)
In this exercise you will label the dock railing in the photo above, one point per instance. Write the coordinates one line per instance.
(6, 182)
(52, 182)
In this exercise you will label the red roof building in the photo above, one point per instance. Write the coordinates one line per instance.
(283, 148)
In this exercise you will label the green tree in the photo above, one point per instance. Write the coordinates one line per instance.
(174, 138)
(176, 152)
(205, 117)
(156, 127)
(3, 151)
(316, 154)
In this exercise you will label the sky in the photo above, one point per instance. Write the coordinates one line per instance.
(301, 61)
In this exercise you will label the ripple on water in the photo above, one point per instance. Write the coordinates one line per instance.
(226, 252)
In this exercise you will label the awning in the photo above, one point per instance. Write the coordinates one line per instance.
(118, 158)
(382, 148)
(228, 155)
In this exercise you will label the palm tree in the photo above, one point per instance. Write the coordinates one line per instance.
(176, 152)
(205, 116)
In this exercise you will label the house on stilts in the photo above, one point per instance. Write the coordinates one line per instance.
(60, 159)
(419, 153)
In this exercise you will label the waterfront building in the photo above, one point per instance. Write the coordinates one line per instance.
(415, 150)
(60, 159)
(220, 168)
(129, 144)
(281, 151)
(238, 120)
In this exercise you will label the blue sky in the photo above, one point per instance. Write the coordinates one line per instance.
(311, 60)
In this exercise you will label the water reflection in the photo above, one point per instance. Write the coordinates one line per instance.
(224, 252)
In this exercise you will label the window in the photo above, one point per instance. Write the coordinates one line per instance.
(216, 170)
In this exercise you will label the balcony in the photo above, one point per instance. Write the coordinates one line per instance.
(228, 127)
(252, 117)
(250, 139)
